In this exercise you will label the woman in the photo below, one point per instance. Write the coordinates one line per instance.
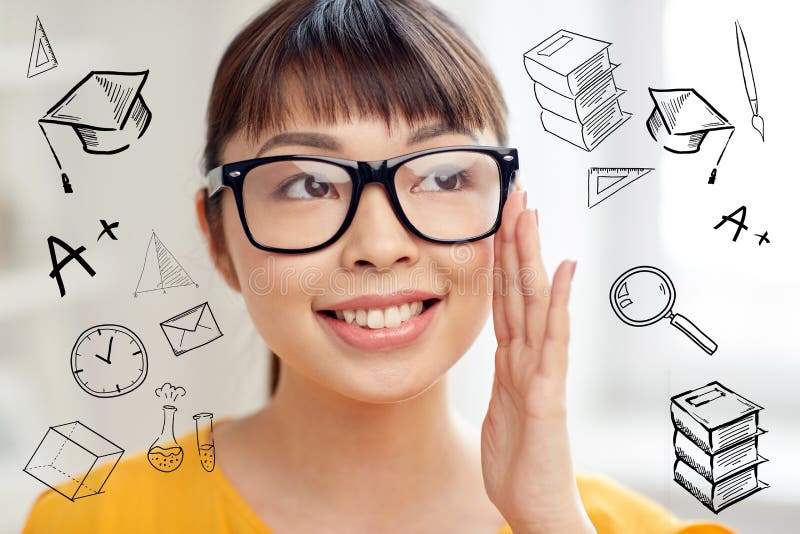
(309, 101)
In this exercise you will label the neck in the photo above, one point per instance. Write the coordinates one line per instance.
(401, 452)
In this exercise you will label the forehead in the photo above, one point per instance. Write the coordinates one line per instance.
(360, 135)
(351, 120)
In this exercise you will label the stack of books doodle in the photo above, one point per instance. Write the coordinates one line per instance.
(716, 445)
(574, 84)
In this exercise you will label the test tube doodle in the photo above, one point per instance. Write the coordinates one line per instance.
(205, 440)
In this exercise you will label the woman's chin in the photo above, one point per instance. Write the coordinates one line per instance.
(384, 386)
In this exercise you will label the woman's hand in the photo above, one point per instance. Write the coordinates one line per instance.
(525, 455)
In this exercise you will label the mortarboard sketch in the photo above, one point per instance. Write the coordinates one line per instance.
(106, 111)
(42, 57)
(682, 119)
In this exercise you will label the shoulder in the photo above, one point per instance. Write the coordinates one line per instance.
(613, 509)
(134, 498)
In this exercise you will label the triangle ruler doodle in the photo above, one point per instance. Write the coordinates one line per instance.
(161, 271)
(42, 57)
(605, 181)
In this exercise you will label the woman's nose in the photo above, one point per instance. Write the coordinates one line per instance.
(376, 237)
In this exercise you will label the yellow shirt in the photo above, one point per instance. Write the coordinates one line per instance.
(137, 498)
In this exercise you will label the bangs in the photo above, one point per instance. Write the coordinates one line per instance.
(346, 59)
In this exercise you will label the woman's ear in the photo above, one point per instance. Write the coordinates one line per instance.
(220, 257)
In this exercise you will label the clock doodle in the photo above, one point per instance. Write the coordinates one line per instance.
(108, 360)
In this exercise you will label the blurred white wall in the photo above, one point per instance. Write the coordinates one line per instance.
(621, 378)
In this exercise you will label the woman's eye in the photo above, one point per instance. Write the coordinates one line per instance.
(305, 186)
(444, 181)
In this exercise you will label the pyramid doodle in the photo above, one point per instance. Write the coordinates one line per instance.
(161, 271)
(42, 57)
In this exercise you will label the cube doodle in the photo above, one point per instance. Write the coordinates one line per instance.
(69, 460)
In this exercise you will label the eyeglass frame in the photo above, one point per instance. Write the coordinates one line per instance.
(361, 174)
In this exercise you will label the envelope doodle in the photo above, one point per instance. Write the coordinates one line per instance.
(191, 329)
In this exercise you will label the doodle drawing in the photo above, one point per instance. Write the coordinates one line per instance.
(191, 329)
(605, 181)
(106, 111)
(74, 460)
(749, 80)
(161, 271)
(42, 57)
(108, 229)
(108, 360)
(737, 218)
(644, 295)
(205, 440)
(74, 254)
(165, 454)
(574, 84)
(681, 120)
(716, 445)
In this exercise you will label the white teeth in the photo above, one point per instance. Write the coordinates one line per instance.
(375, 319)
(390, 317)
(405, 312)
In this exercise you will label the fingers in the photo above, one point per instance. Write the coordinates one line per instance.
(512, 300)
(556, 340)
(534, 284)
(499, 285)
(523, 308)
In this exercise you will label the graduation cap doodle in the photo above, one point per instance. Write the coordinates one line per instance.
(682, 119)
(105, 109)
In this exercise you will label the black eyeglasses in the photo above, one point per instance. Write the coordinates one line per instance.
(298, 203)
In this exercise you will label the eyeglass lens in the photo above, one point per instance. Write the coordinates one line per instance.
(302, 203)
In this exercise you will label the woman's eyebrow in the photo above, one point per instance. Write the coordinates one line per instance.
(434, 130)
(327, 142)
(315, 140)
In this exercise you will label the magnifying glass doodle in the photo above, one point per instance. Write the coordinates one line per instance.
(644, 295)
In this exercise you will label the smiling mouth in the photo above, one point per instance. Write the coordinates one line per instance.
(379, 317)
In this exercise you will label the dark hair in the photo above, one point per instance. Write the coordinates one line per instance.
(369, 58)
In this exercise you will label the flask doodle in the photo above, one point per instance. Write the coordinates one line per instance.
(165, 454)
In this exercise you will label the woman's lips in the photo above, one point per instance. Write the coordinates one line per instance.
(381, 338)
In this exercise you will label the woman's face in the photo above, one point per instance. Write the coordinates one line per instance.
(285, 293)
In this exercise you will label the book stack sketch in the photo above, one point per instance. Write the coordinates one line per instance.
(574, 84)
(716, 445)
